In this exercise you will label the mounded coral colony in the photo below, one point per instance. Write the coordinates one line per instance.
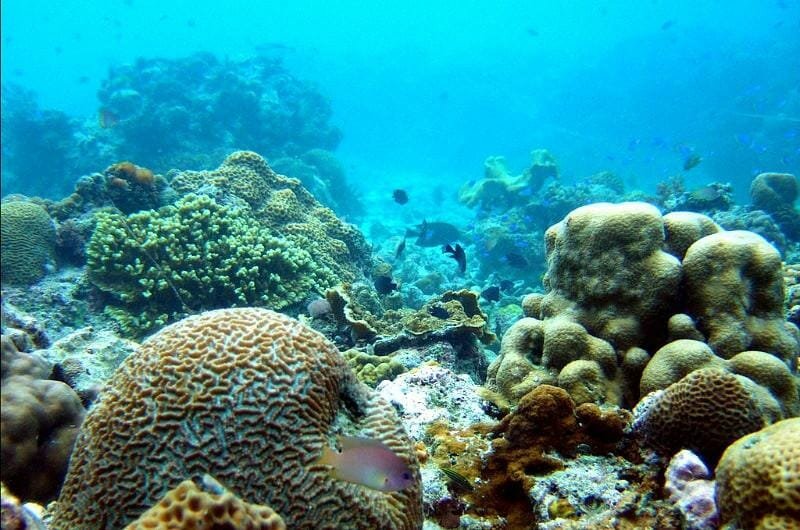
(249, 396)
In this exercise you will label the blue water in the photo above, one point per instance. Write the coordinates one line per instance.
(425, 91)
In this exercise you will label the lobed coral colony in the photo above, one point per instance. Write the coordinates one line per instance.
(219, 348)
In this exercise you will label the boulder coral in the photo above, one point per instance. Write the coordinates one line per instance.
(27, 242)
(196, 255)
(625, 283)
(776, 193)
(247, 395)
(737, 314)
(758, 479)
(40, 420)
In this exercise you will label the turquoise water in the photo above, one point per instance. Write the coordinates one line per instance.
(428, 90)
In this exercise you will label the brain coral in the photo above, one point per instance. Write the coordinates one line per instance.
(27, 242)
(188, 507)
(250, 396)
(705, 412)
(758, 479)
(734, 287)
(197, 255)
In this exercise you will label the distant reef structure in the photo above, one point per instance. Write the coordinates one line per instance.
(187, 112)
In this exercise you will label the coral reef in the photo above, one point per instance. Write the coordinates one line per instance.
(705, 411)
(500, 191)
(195, 255)
(253, 103)
(776, 193)
(244, 394)
(738, 315)
(40, 420)
(758, 480)
(27, 242)
(187, 506)
(624, 282)
(688, 485)
(286, 207)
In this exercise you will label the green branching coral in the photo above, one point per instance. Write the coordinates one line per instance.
(196, 255)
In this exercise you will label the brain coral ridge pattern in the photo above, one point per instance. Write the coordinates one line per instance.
(249, 396)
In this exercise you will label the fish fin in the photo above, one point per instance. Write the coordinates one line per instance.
(327, 458)
(354, 442)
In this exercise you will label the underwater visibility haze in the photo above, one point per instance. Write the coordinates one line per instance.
(347, 265)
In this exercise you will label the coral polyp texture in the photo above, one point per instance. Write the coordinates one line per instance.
(196, 254)
(249, 396)
(739, 315)
(636, 301)
(758, 479)
(27, 242)
(189, 507)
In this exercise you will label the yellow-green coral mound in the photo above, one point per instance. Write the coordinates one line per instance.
(197, 255)
(734, 287)
(247, 395)
(27, 242)
(758, 479)
(284, 206)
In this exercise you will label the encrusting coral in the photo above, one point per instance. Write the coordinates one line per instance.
(758, 479)
(247, 395)
(27, 242)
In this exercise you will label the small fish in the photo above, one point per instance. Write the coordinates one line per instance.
(434, 234)
(692, 161)
(400, 248)
(458, 254)
(400, 196)
(439, 312)
(668, 24)
(516, 260)
(367, 462)
(384, 285)
(107, 119)
(457, 478)
(491, 294)
(705, 194)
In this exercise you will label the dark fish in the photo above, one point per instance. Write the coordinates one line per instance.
(458, 254)
(439, 312)
(434, 234)
(107, 119)
(533, 32)
(457, 479)
(491, 294)
(668, 24)
(400, 196)
(400, 248)
(384, 285)
(692, 161)
(506, 285)
(516, 260)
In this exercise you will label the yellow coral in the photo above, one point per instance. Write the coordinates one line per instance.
(758, 479)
